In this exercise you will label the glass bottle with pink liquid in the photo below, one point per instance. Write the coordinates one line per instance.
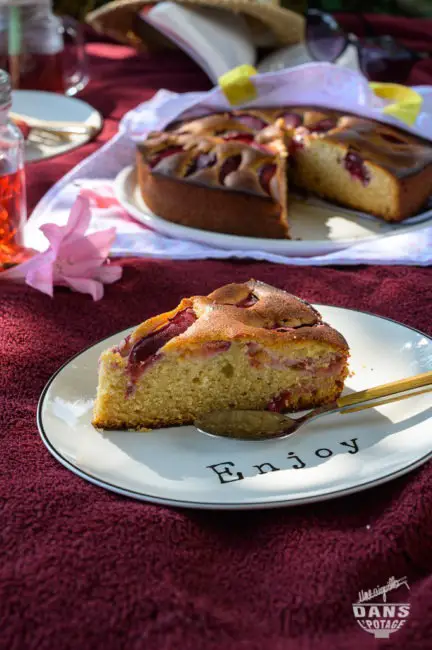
(12, 182)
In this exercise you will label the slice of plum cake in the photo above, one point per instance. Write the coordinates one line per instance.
(244, 346)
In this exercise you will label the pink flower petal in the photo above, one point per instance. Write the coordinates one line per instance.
(79, 218)
(54, 234)
(94, 247)
(103, 240)
(88, 267)
(85, 285)
(47, 257)
(20, 271)
(41, 278)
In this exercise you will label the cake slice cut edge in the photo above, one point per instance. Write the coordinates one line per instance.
(245, 346)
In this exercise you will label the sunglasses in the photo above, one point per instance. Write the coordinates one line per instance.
(380, 58)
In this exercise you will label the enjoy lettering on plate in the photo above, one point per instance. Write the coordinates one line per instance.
(227, 472)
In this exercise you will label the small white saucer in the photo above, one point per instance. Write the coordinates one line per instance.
(56, 107)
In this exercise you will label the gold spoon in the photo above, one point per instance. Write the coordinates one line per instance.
(266, 425)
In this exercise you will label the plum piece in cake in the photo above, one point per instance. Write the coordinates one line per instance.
(244, 346)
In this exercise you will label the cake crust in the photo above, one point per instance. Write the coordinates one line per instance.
(209, 208)
(275, 318)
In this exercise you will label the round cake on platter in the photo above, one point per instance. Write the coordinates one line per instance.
(232, 172)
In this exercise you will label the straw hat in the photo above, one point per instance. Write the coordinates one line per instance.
(270, 24)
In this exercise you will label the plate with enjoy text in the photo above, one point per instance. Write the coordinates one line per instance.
(317, 227)
(178, 466)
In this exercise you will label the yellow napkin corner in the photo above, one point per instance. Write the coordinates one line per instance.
(406, 102)
(237, 85)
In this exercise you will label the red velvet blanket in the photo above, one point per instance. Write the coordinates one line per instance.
(83, 569)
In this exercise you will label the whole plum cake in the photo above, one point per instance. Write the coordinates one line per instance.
(229, 172)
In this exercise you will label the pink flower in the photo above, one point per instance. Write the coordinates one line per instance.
(73, 259)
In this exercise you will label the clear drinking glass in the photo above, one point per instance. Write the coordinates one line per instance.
(40, 50)
(12, 181)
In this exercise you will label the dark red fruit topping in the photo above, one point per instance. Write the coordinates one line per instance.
(278, 403)
(252, 122)
(229, 165)
(323, 125)
(265, 175)
(292, 120)
(392, 138)
(144, 352)
(250, 300)
(238, 136)
(202, 161)
(354, 164)
(279, 327)
(165, 153)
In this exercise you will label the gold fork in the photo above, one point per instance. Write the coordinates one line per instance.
(60, 128)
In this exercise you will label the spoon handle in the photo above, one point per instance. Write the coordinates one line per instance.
(394, 388)
(380, 402)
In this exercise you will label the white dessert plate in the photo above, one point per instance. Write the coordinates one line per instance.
(317, 227)
(58, 108)
(180, 466)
